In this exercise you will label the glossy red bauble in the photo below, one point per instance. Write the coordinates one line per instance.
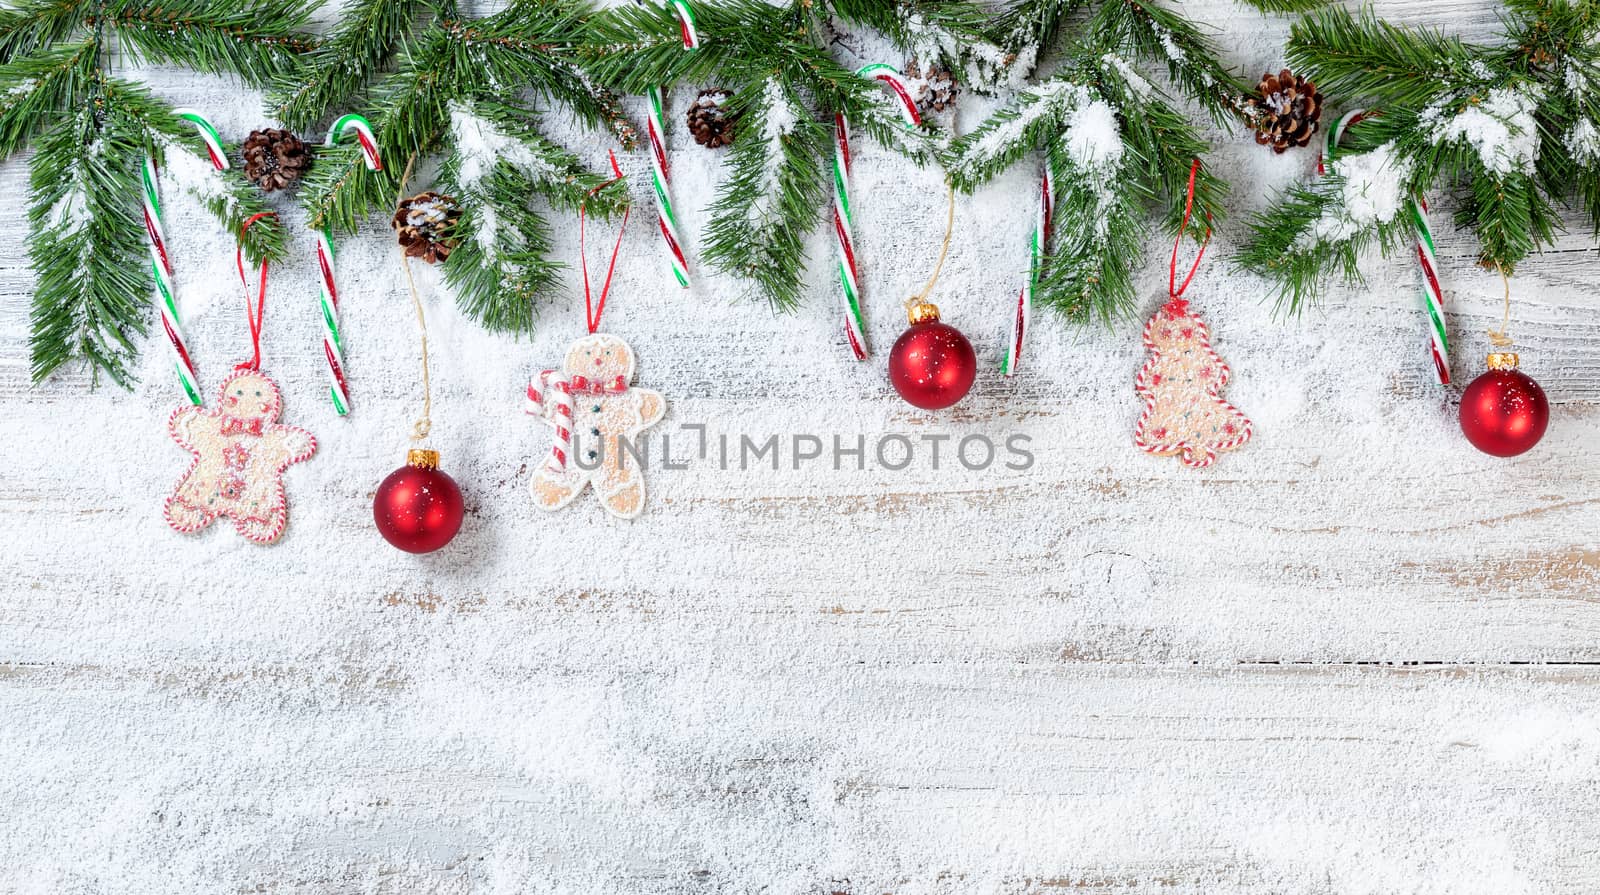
(932, 364)
(1504, 412)
(418, 508)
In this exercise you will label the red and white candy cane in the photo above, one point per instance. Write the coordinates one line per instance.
(1432, 292)
(548, 386)
(161, 258)
(843, 223)
(660, 176)
(1038, 245)
(328, 291)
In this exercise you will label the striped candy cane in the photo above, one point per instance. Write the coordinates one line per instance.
(843, 222)
(161, 270)
(328, 287)
(161, 259)
(1432, 292)
(208, 134)
(549, 383)
(355, 124)
(1038, 243)
(685, 14)
(328, 303)
(659, 179)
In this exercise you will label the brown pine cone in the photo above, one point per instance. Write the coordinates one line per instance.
(934, 89)
(1287, 112)
(709, 120)
(423, 224)
(274, 158)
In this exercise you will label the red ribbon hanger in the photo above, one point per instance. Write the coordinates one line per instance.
(253, 318)
(592, 310)
(1177, 304)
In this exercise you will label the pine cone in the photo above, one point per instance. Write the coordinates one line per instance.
(274, 158)
(709, 120)
(934, 89)
(424, 223)
(1287, 111)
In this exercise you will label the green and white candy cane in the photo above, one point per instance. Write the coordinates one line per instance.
(1038, 242)
(328, 294)
(1432, 292)
(849, 272)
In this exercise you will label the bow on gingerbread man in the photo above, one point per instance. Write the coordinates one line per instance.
(240, 449)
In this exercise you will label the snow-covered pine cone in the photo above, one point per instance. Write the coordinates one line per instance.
(1288, 110)
(274, 158)
(423, 225)
(933, 88)
(709, 120)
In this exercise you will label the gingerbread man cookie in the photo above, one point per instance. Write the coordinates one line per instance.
(590, 398)
(240, 454)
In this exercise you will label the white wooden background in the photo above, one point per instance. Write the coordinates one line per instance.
(1356, 657)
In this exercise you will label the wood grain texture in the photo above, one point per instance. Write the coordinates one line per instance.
(1306, 670)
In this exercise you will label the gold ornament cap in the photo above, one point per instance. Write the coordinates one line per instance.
(1503, 360)
(422, 458)
(922, 312)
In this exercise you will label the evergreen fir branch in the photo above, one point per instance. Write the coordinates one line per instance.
(774, 193)
(1031, 24)
(339, 192)
(1030, 120)
(87, 246)
(1361, 56)
(1164, 37)
(39, 90)
(255, 40)
(364, 41)
(1309, 236)
(880, 119)
(1096, 237)
(186, 164)
(634, 48)
(1165, 145)
(1510, 216)
(33, 25)
(1287, 5)
(536, 43)
(486, 134)
(498, 268)
(952, 33)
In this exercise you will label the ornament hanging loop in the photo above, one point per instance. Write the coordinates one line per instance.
(1501, 338)
(1175, 291)
(918, 308)
(423, 427)
(592, 310)
(254, 317)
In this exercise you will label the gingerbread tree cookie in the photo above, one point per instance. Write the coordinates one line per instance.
(240, 453)
(592, 407)
(1181, 383)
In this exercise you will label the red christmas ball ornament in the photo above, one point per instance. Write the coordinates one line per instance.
(932, 364)
(418, 508)
(1504, 412)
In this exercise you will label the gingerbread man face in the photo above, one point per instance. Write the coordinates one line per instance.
(600, 358)
(250, 395)
(1169, 333)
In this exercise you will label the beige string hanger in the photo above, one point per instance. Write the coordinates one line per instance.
(1500, 338)
(918, 308)
(424, 423)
